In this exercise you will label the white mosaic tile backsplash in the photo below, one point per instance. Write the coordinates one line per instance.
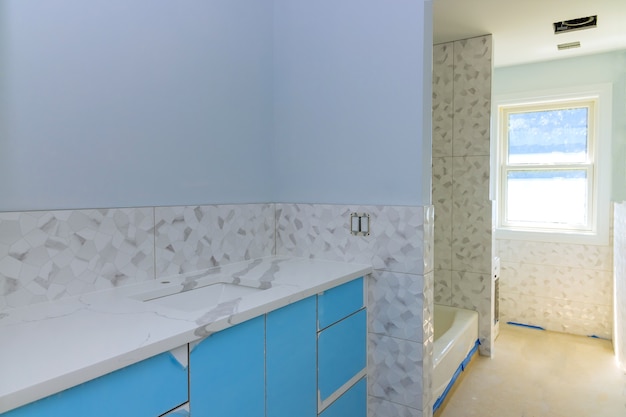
(396, 242)
(199, 237)
(48, 255)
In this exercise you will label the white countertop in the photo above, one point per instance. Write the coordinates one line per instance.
(49, 347)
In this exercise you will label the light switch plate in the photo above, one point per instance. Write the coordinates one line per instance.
(360, 224)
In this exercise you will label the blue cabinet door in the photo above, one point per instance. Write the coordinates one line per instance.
(227, 372)
(353, 403)
(341, 353)
(145, 389)
(291, 360)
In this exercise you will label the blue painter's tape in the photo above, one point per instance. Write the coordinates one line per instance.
(457, 373)
(468, 358)
(593, 336)
(447, 390)
(530, 326)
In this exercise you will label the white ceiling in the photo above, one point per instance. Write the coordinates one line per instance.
(522, 29)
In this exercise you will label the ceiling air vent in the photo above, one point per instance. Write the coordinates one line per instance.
(570, 45)
(576, 24)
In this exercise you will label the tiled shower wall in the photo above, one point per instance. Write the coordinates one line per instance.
(619, 339)
(461, 146)
(400, 329)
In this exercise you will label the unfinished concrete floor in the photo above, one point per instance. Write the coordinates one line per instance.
(537, 373)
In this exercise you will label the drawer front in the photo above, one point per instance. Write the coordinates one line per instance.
(146, 389)
(339, 302)
(291, 379)
(353, 403)
(227, 372)
(341, 354)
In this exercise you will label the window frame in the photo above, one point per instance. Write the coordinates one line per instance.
(597, 167)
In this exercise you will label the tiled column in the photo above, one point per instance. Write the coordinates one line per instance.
(461, 146)
(400, 333)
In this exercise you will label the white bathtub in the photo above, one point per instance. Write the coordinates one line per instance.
(456, 333)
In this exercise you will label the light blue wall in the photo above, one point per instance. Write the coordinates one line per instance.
(352, 113)
(115, 103)
(593, 69)
(130, 103)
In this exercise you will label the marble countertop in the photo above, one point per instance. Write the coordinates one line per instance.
(49, 347)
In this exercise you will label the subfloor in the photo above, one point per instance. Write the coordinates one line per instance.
(537, 373)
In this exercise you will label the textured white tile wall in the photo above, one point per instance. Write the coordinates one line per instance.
(472, 96)
(561, 287)
(396, 242)
(191, 238)
(461, 164)
(48, 255)
(443, 99)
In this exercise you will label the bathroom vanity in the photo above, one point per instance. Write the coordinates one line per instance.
(274, 337)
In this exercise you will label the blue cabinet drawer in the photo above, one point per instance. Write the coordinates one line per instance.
(353, 403)
(341, 355)
(227, 372)
(146, 389)
(339, 302)
(291, 379)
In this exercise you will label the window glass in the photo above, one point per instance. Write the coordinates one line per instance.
(548, 136)
(557, 197)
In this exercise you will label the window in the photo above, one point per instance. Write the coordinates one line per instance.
(551, 185)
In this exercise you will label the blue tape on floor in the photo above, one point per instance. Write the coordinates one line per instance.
(460, 369)
(530, 326)
(470, 354)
